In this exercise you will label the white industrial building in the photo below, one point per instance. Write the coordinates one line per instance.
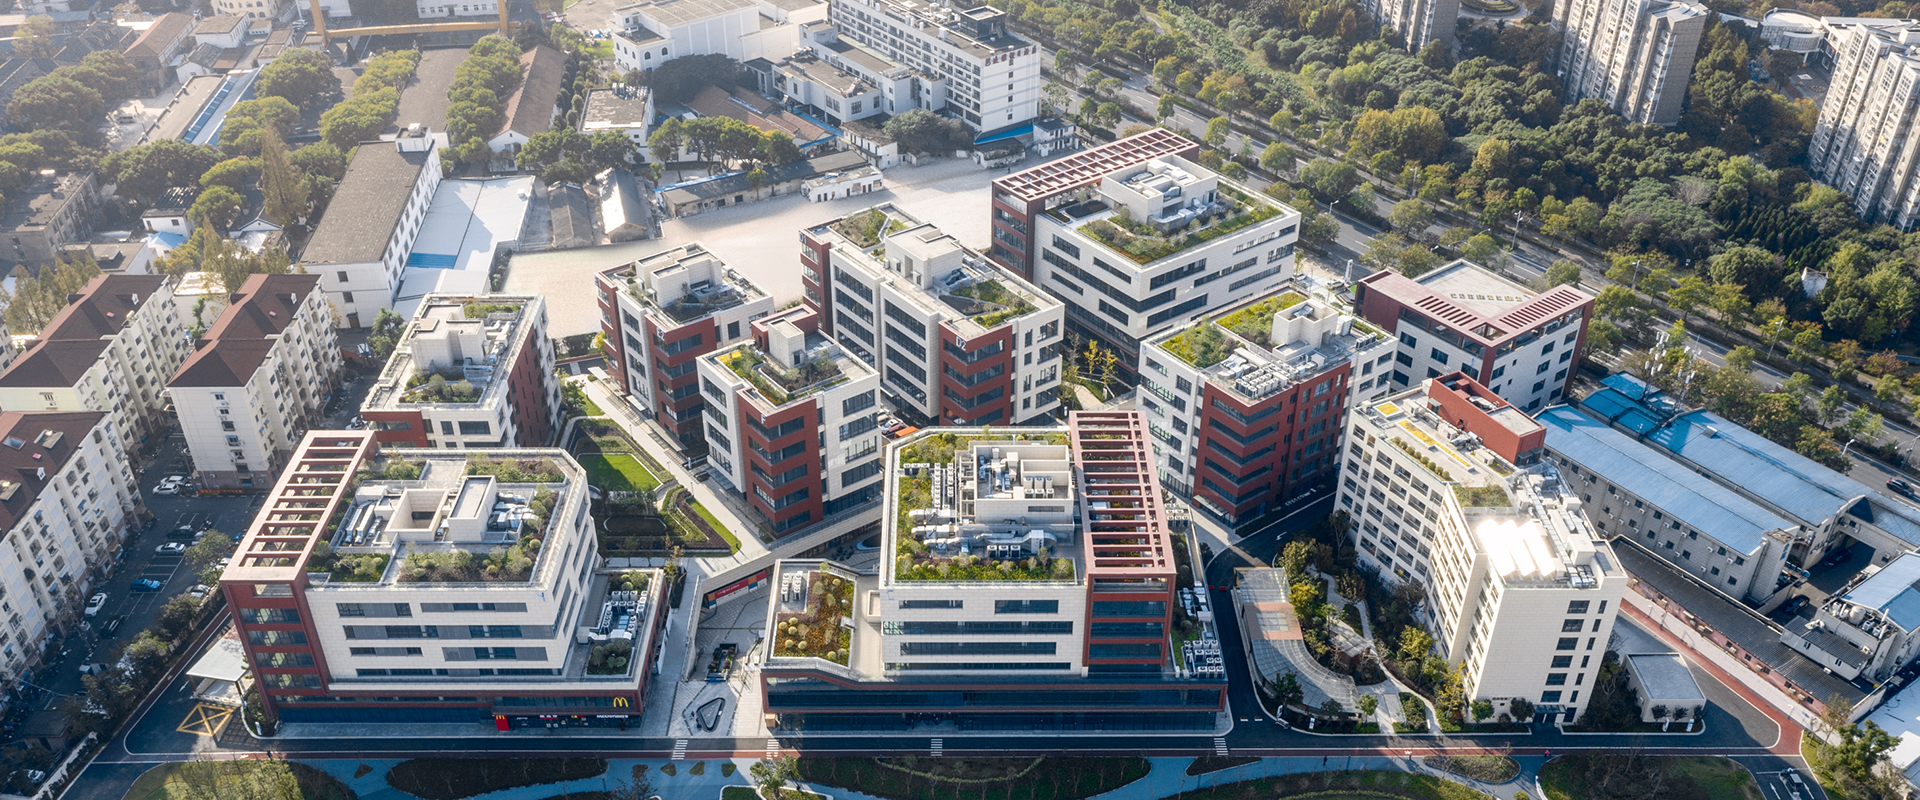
(469, 224)
(362, 243)
(648, 34)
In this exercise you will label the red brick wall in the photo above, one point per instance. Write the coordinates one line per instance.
(527, 398)
(665, 407)
(414, 436)
(807, 455)
(952, 412)
(815, 274)
(605, 293)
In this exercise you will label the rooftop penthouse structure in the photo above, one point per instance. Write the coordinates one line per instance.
(469, 371)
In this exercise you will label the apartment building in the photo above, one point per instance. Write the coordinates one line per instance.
(1419, 22)
(256, 380)
(1862, 142)
(1810, 510)
(1247, 408)
(1020, 198)
(1634, 55)
(1522, 344)
(442, 585)
(361, 244)
(54, 209)
(67, 500)
(1447, 488)
(955, 339)
(659, 315)
(1029, 585)
(470, 371)
(112, 350)
(1157, 244)
(792, 421)
(966, 62)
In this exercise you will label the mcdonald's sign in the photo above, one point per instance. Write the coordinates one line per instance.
(620, 702)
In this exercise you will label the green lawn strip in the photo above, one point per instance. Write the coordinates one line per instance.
(1582, 777)
(185, 780)
(455, 778)
(617, 472)
(1029, 778)
(1342, 785)
(733, 543)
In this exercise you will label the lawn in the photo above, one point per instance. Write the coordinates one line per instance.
(197, 779)
(1342, 785)
(1619, 776)
(617, 472)
(733, 542)
(455, 778)
(1046, 778)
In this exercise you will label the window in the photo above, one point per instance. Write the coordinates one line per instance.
(1562, 662)
(857, 402)
(1567, 643)
(1439, 356)
(1571, 626)
(480, 428)
(1026, 606)
(912, 604)
(1556, 679)
(1550, 697)
(270, 616)
(1577, 606)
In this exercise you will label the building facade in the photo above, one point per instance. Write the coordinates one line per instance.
(792, 422)
(1156, 244)
(1862, 143)
(1034, 586)
(661, 313)
(1419, 22)
(1522, 344)
(54, 210)
(651, 33)
(111, 350)
(255, 382)
(1635, 55)
(1522, 591)
(1247, 408)
(361, 244)
(955, 339)
(470, 371)
(1020, 198)
(968, 63)
(442, 587)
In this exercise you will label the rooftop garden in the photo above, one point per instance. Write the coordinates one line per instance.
(914, 562)
(1482, 497)
(1202, 345)
(387, 468)
(349, 568)
(1422, 459)
(1145, 245)
(443, 386)
(481, 310)
(777, 383)
(513, 564)
(1255, 322)
(816, 630)
(516, 470)
(996, 303)
(865, 228)
(610, 658)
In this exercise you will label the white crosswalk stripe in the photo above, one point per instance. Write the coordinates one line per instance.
(679, 750)
(938, 746)
(1220, 745)
(773, 749)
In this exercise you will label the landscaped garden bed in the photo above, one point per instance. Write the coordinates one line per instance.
(1627, 775)
(1342, 785)
(1207, 764)
(192, 780)
(914, 562)
(1031, 778)
(1490, 768)
(456, 778)
(817, 631)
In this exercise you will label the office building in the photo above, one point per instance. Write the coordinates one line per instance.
(111, 350)
(1634, 55)
(1029, 584)
(1522, 344)
(1418, 22)
(469, 371)
(67, 502)
(1247, 408)
(956, 340)
(661, 313)
(1796, 511)
(361, 244)
(792, 422)
(650, 33)
(1021, 197)
(443, 585)
(1869, 629)
(1521, 590)
(258, 378)
(1157, 244)
(1862, 143)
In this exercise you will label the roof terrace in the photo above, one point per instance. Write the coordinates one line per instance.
(449, 354)
(944, 275)
(971, 508)
(796, 365)
(686, 284)
(1267, 345)
(1162, 207)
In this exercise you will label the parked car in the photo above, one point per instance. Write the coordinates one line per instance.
(182, 532)
(96, 602)
(1838, 557)
(92, 669)
(170, 548)
(1793, 606)
(170, 484)
(147, 585)
(199, 590)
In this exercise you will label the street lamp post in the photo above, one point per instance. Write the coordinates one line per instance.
(1349, 272)
(1843, 450)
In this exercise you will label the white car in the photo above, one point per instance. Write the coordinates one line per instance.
(95, 603)
(170, 484)
(199, 590)
(170, 547)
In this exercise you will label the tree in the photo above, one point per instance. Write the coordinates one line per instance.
(1482, 709)
(176, 617)
(320, 159)
(385, 333)
(363, 117)
(1287, 691)
(303, 77)
(37, 298)
(771, 776)
(1689, 294)
(217, 208)
(1329, 180)
(1278, 158)
(287, 192)
(678, 80)
(1368, 704)
(665, 142)
(1520, 709)
(1564, 272)
(234, 173)
(34, 38)
(1481, 249)
(922, 131)
(1217, 130)
(607, 149)
(391, 69)
(147, 171)
(1411, 217)
(58, 102)
(1405, 134)
(251, 120)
